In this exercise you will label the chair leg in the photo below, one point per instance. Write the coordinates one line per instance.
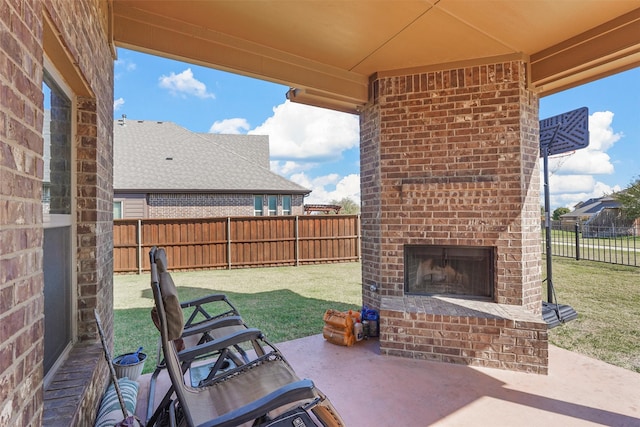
(152, 392)
(162, 408)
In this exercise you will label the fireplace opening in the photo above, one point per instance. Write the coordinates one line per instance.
(458, 271)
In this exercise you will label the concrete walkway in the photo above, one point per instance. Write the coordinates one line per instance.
(382, 391)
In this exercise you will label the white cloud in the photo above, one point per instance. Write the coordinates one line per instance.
(571, 176)
(230, 126)
(303, 138)
(121, 65)
(582, 162)
(301, 132)
(349, 186)
(185, 84)
(329, 187)
(601, 134)
(571, 183)
(125, 64)
(569, 200)
(117, 104)
(287, 167)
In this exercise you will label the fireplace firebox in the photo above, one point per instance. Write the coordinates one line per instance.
(457, 271)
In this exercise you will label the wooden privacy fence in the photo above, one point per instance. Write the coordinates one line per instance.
(236, 242)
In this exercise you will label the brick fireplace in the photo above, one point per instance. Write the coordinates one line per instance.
(449, 175)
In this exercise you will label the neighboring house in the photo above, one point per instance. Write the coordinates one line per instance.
(162, 170)
(599, 217)
(585, 211)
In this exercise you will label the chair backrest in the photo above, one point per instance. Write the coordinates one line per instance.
(161, 260)
(169, 292)
(170, 355)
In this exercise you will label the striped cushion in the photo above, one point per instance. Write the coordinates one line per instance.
(110, 411)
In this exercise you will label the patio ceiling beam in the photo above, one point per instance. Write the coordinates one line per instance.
(163, 36)
(602, 51)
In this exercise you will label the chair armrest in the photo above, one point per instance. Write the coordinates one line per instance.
(217, 345)
(204, 300)
(199, 314)
(292, 392)
(210, 325)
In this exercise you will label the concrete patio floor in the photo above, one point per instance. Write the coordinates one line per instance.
(379, 391)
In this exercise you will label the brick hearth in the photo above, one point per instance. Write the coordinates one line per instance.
(464, 331)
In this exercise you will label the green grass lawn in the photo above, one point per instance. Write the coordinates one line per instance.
(607, 299)
(288, 303)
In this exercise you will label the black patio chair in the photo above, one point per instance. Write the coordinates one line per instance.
(263, 391)
(209, 318)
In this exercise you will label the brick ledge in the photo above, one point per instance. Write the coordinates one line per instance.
(73, 396)
(469, 332)
(459, 307)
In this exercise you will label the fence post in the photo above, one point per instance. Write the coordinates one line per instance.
(296, 249)
(577, 228)
(229, 242)
(139, 249)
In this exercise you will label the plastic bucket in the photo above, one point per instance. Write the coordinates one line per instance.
(373, 318)
(131, 371)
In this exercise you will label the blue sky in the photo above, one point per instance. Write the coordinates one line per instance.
(318, 148)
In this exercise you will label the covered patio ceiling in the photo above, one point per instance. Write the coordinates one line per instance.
(326, 51)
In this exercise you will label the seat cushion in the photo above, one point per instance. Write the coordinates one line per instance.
(110, 411)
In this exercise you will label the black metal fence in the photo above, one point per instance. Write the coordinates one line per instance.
(612, 244)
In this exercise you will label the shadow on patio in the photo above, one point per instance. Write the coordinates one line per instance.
(374, 390)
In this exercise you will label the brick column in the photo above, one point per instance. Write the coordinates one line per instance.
(21, 232)
(370, 194)
(451, 158)
(94, 218)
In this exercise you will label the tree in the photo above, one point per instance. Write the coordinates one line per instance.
(349, 207)
(559, 212)
(629, 198)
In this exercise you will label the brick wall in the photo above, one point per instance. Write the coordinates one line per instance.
(451, 158)
(21, 234)
(79, 30)
(203, 205)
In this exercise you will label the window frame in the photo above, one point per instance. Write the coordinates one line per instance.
(274, 211)
(121, 204)
(259, 212)
(284, 210)
(52, 221)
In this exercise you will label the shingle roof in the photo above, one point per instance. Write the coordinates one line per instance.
(592, 207)
(254, 148)
(162, 156)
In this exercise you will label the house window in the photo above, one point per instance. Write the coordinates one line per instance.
(58, 218)
(286, 205)
(117, 210)
(257, 205)
(273, 205)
